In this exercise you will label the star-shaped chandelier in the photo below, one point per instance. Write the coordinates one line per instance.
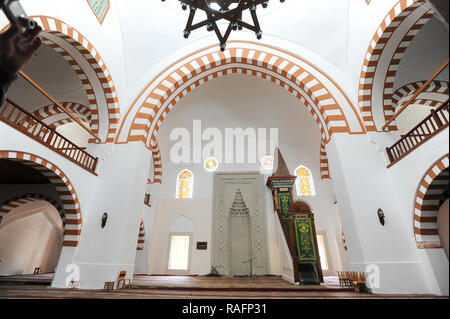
(228, 10)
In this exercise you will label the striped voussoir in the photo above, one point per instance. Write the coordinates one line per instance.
(344, 242)
(434, 95)
(426, 205)
(324, 167)
(394, 19)
(18, 201)
(83, 57)
(157, 163)
(69, 199)
(53, 116)
(388, 105)
(168, 91)
(141, 238)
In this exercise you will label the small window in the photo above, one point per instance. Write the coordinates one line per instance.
(304, 182)
(211, 164)
(185, 184)
(267, 162)
(322, 252)
(179, 253)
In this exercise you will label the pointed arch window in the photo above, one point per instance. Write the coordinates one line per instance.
(304, 182)
(185, 184)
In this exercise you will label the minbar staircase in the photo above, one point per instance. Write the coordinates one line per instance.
(23, 121)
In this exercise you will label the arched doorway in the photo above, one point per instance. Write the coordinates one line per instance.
(27, 178)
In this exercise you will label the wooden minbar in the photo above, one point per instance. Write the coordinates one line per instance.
(297, 223)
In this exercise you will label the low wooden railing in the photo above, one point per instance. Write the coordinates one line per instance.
(23, 121)
(434, 123)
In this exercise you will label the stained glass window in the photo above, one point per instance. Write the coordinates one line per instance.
(304, 182)
(211, 164)
(267, 162)
(185, 183)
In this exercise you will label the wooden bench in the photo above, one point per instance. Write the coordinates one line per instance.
(353, 279)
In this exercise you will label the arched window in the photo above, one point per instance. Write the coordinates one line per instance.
(304, 182)
(185, 184)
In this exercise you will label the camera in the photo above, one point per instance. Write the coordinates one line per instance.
(16, 14)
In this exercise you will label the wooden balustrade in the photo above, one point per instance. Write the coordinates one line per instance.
(434, 123)
(23, 121)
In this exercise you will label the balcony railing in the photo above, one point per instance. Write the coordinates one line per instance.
(23, 121)
(433, 124)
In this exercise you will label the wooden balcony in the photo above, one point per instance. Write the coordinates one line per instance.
(434, 123)
(23, 121)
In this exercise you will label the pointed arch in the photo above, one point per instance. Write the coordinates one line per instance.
(381, 61)
(90, 68)
(185, 184)
(304, 182)
(327, 103)
(71, 206)
(426, 205)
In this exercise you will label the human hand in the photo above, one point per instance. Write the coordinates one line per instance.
(17, 48)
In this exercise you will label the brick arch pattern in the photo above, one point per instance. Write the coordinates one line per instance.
(426, 205)
(11, 204)
(397, 29)
(324, 167)
(157, 163)
(388, 105)
(69, 199)
(141, 238)
(297, 76)
(54, 116)
(433, 96)
(92, 71)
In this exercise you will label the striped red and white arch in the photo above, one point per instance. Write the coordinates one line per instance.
(324, 166)
(157, 164)
(426, 205)
(92, 71)
(54, 116)
(141, 238)
(433, 96)
(18, 201)
(382, 59)
(326, 102)
(69, 199)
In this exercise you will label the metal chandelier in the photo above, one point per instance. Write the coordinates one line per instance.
(228, 10)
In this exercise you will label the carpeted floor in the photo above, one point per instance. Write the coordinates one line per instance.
(184, 287)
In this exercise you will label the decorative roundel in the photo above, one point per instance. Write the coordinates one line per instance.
(267, 162)
(211, 164)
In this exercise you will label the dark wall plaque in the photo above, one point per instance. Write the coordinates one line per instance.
(202, 245)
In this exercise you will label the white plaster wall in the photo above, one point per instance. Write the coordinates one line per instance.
(407, 175)
(362, 185)
(243, 101)
(30, 236)
(168, 211)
